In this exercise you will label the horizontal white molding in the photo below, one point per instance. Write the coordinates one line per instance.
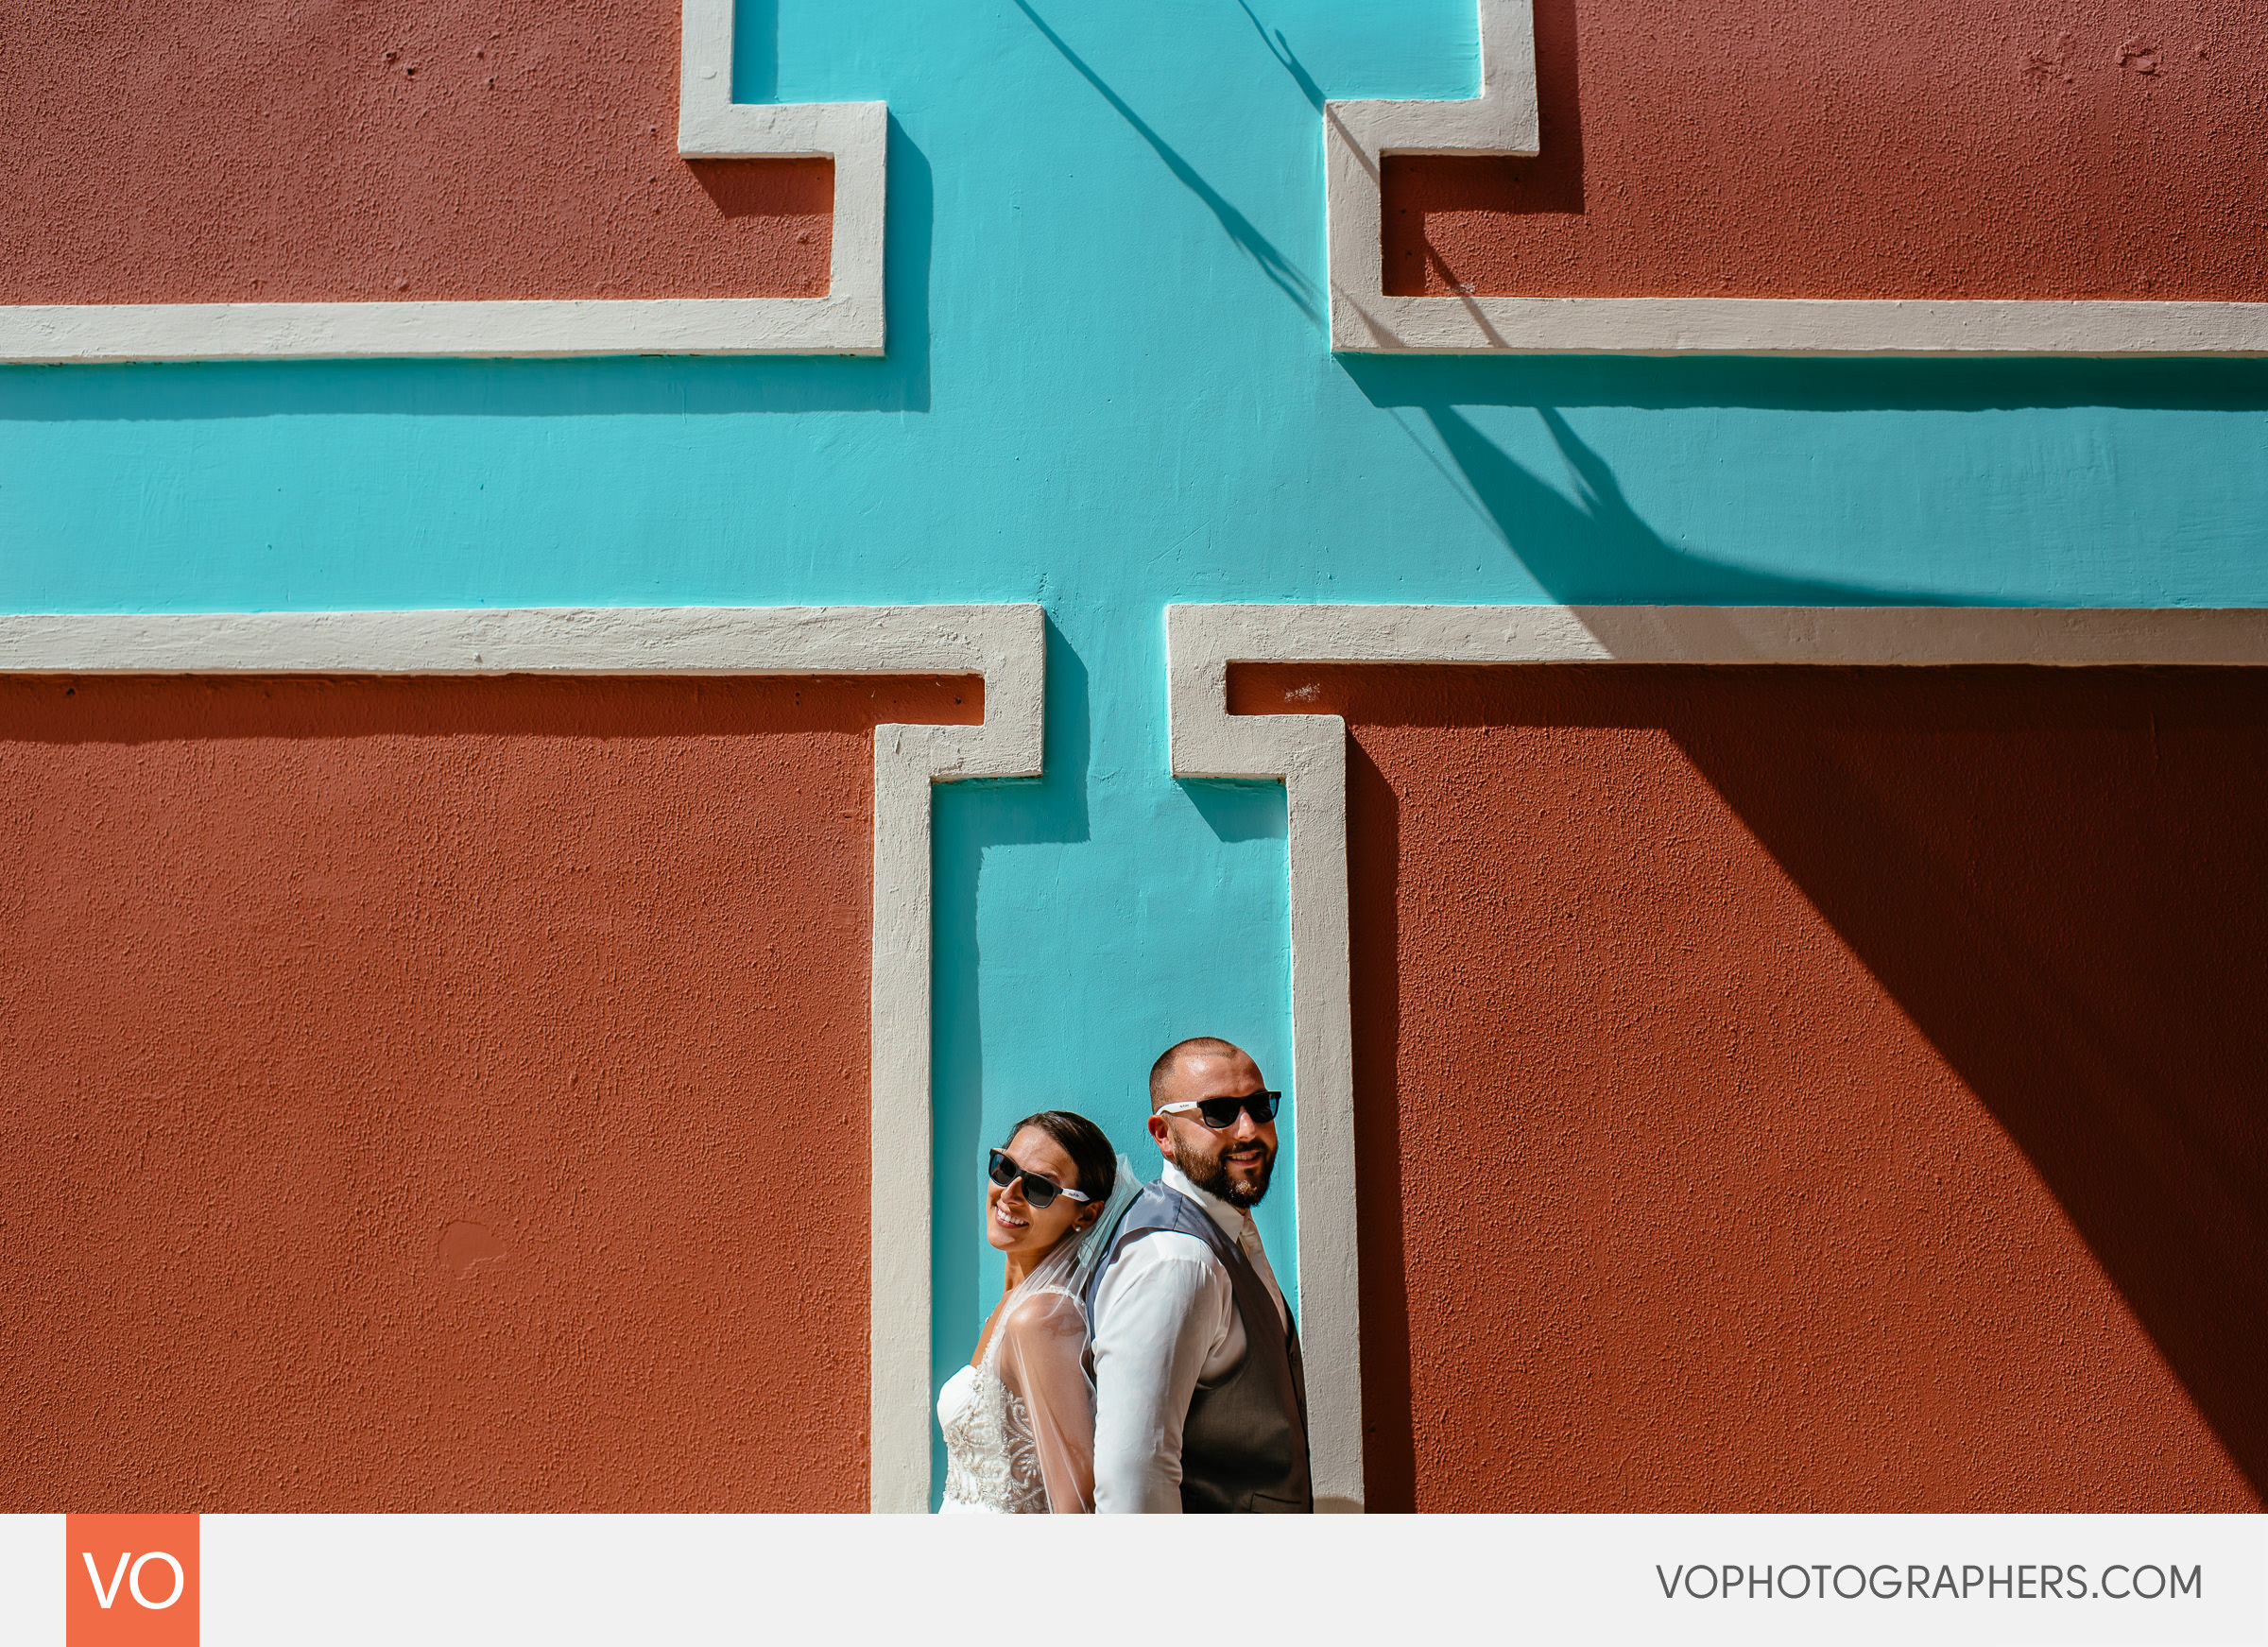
(947, 640)
(1918, 635)
(1823, 326)
(102, 333)
(1308, 754)
(1503, 121)
(848, 321)
(1006, 644)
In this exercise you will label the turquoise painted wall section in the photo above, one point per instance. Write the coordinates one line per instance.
(1107, 389)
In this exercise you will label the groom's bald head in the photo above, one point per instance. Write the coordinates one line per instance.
(1198, 1046)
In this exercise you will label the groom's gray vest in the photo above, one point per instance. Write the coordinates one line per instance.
(1244, 1445)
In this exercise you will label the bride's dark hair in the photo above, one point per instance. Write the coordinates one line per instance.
(1091, 1154)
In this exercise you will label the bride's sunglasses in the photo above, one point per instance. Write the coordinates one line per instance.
(1219, 1113)
(1040, 1192)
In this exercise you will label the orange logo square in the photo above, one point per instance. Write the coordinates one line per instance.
(130, 1581)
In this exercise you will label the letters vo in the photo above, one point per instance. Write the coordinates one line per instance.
(130, 1581)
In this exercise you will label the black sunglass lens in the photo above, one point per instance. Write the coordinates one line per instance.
(1037, 1189)
(1221, 1112)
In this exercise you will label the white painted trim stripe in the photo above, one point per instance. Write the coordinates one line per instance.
(114, 334)
(1834, 636)
(848, 321)
(1356, 137)
(1503, 120)
(1003, 643)
(856, 135)
(1308, 754)
(1814, 326)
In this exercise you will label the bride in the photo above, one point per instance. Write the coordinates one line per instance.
(1019, 1419)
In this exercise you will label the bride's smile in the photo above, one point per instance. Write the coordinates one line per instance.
(1032, 1199)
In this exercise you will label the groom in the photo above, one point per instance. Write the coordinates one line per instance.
(1200, 1402)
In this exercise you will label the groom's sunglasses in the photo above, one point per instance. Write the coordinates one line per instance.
(1220, 1113)
(1040, 1192)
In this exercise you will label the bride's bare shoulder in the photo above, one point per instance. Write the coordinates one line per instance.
(1044, 1317)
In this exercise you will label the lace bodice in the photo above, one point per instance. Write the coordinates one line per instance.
(1022, 1418)
(991, 1462)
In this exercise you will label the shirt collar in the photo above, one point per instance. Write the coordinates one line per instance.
(1231, 1219)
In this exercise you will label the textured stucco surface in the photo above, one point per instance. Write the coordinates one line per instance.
(1797, 1089)
(1957, 148)
(1108, 388)
(437, 1096)
(204, 151)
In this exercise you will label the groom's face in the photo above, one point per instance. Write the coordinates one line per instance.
(1234, 1162)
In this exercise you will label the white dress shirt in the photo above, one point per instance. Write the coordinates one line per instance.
(1165, 1321)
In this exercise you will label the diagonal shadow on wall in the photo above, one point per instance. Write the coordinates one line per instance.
(1586, 542)
(1596, 547)
(1281, 272)
(2053, 876)
(2078, 934)
(1644, 383)
(1581, 539)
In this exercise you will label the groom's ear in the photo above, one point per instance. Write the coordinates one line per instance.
(1157, 1129)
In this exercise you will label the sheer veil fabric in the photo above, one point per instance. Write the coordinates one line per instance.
(1020, 1423)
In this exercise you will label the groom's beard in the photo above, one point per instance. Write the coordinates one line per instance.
(1211, 1174)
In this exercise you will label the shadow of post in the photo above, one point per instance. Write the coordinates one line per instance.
(1374, 934)
(1285, 275)
(755, 51)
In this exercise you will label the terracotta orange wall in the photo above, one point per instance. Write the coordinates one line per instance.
(219, 150)
(437, 1096)
(1795, 1090)
(1942, 148)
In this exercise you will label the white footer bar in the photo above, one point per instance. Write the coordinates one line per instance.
(435, 1580)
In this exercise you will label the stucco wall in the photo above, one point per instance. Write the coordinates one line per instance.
(1949, 148)
(1108, 388)
(1803, 1090)
(232, 150)
(438, 1095)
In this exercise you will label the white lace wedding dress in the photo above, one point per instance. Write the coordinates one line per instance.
(1020, 1423)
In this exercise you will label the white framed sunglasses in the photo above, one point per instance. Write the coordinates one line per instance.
(1041, 1193)
(1219, 1113)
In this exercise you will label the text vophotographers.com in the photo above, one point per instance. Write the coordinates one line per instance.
(1888, 1581)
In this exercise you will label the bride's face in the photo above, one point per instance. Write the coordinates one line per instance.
(1012, 1223)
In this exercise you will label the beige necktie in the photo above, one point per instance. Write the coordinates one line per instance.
(1247, 1240)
